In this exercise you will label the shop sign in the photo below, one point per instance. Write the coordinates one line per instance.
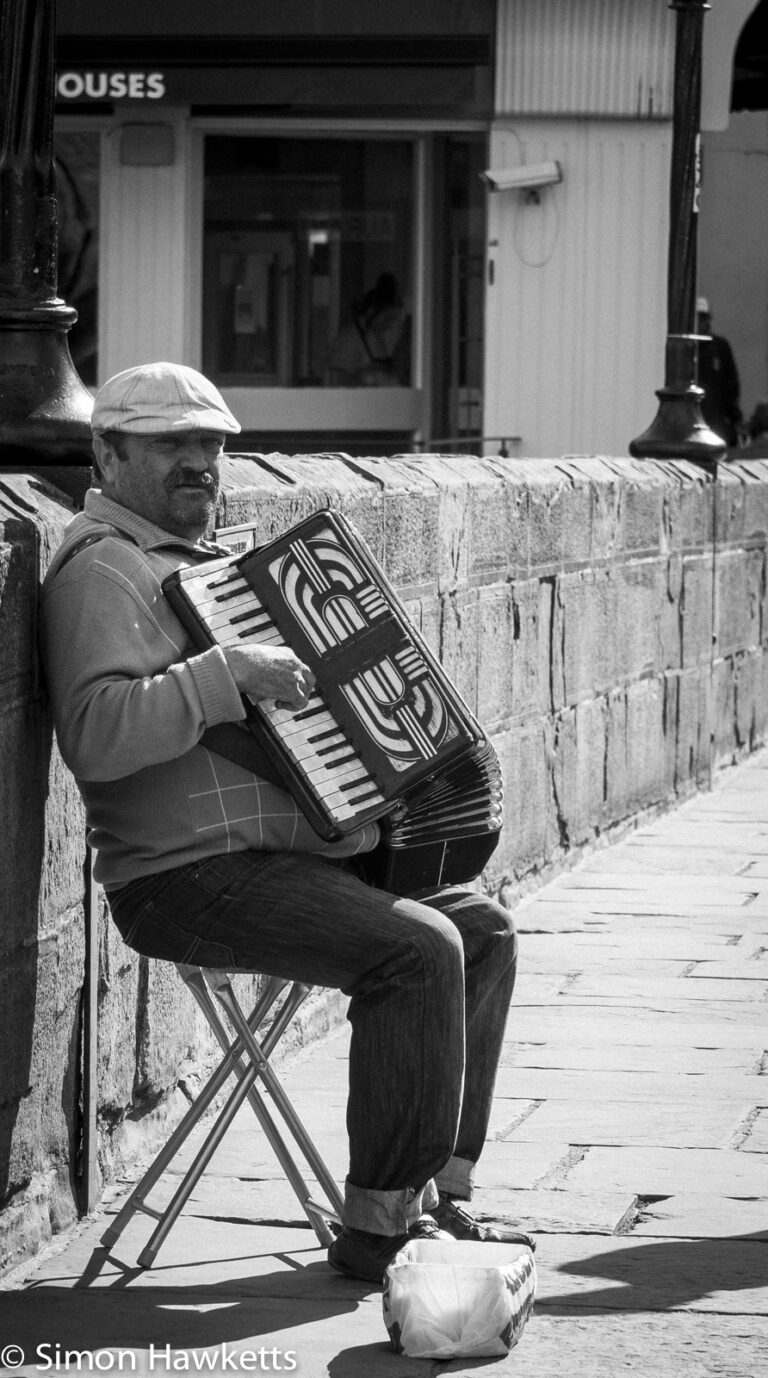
(110, 85)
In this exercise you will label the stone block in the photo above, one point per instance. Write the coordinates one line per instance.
(650, 748)
(498, 529)
(42, 1037)
(166, 1033)
(581, 613)
(607, 518)
(578, 759)
(530, 818)
(690, 697)
(732, 508)
(740, 591)
(749, 700)
(532, 672)
(724, 709)
(607, 621)
(557, 532)
(644, 505)
(696, 610)
(411, 541)
(25, 744)
(670, 621)
(453, 552)
(640, 592)
(458, 650)
(496, 653)
(426, 615)
(689, 510)
(755, 500)
(118, 1006)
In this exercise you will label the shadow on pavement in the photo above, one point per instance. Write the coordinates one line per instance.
(106, 1312)
(665, 1276)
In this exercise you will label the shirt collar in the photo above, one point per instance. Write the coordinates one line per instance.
(145, 534)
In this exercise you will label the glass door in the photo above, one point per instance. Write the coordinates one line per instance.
(308, 284)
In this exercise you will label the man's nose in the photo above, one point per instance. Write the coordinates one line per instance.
(192, 455)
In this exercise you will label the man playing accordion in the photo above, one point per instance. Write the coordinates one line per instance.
(208, 862)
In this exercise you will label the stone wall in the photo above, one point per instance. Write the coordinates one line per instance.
(605, 618)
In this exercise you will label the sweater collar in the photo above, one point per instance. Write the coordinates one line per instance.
(144, 534)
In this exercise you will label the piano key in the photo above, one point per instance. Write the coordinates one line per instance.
(316, 726)
(330, 745)
(305, 751)
(366, 793)
(334, 774)
(243, 611)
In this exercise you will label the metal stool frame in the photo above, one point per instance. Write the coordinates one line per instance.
(247, 1058)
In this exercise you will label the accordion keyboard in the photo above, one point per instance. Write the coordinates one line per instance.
(315, 741)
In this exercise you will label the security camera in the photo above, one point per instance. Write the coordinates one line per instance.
(520, 178)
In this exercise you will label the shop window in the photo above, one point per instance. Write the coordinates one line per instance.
(77, 178)
(308, 262)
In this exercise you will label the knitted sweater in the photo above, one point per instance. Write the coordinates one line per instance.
(131, 699)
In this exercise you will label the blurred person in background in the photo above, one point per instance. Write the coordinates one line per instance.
(719, 378)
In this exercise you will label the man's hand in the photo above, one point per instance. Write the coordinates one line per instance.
(270, 672)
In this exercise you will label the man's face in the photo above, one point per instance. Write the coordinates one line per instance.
(171, 480)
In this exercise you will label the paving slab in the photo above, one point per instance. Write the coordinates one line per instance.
(688, 1216)
(724, 1276)
(703, 1124)
(571, 1084)
(553, 1211)
(623, 1021)
(665, 1171)
(311, 1337)
(654, 988)
(649, 1345)
(553, 1054)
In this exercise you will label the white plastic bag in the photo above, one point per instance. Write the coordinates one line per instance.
(451, 1300)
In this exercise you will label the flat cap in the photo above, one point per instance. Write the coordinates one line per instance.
(154, 398)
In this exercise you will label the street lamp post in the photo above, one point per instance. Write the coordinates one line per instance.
(679, 430)
(44, 407)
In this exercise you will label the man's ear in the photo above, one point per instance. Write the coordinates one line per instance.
(107, 458)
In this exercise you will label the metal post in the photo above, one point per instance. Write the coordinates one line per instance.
(44, 407)
(679, 430)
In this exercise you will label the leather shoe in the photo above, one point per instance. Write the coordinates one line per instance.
(458, 1222)
(359, 1254)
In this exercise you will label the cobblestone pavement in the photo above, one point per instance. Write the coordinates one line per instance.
(630, 1132)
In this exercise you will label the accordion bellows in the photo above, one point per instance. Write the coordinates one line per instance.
(385, 735)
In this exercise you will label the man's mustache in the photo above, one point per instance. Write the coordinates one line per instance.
(192, 478)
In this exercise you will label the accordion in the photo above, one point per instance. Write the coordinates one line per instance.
(385, 736)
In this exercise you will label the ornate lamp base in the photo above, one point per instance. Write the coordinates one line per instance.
(44, 408)
(679, 430)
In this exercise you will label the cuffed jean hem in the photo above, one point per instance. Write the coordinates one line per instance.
(386, 1212)
(457, 1178)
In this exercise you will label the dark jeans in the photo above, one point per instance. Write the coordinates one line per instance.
(430, 980)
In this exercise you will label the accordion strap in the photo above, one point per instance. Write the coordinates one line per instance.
(238, 744)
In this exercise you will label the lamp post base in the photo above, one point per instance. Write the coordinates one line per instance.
(44, 407)
(679, 430)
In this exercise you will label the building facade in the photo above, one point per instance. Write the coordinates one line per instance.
(328, 207)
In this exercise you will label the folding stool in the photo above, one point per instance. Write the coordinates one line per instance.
(248, 1058)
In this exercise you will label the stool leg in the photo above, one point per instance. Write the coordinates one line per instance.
(193, 977)
(191, 1178)
(259, 1055)
(247, 1058)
